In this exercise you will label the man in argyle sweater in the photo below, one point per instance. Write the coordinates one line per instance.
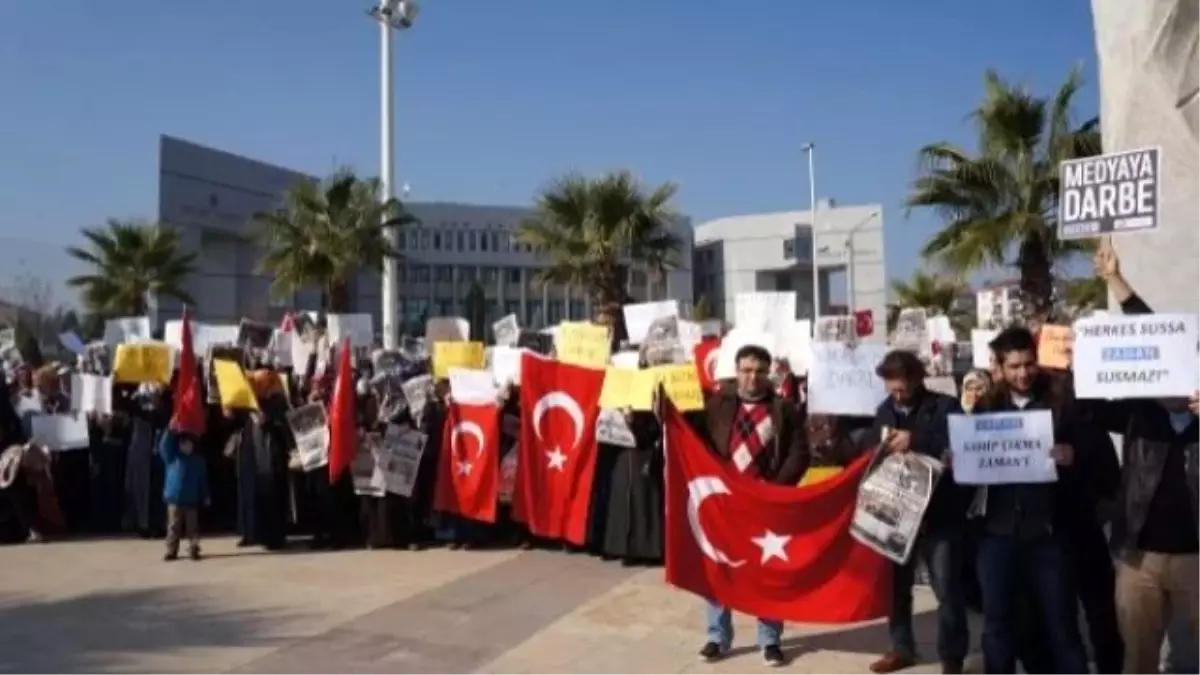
(763, 436)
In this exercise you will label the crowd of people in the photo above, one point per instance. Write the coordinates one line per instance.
(1115, 540)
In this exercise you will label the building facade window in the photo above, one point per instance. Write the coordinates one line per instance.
(445, 273)
(578, 310)
(484, 240)
(471, 240)
(425, 240)
(555, 312)
(462, 241)
(512, 307)
(466, 274)
(513, 275)
(437, 241)
(489, 275)
(420, 274)
(445, 307)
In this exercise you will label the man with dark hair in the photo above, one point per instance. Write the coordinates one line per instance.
(762, 435)
(913, 419)
(1018, 552)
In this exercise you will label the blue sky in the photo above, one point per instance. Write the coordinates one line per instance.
(494, 98)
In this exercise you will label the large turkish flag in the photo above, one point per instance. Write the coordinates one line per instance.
(559, 405)
(704, 355)
(772, 551)
(468, 481)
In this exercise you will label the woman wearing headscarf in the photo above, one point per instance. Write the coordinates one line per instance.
(70, 470)
(263, 446)
(144, 511)
(20, 519)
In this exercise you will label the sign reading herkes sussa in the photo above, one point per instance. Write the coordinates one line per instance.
(1109, 194)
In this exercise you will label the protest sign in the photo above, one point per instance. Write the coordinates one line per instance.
(254, 335)
(506, 365)
(127, 329)
(611, 428)
(447, 355)
(765, 311)
(1138, 356)
(733, 341)
(942, 384)
(417, 391)
(233, 387)
(144, 362)
(1109, 194)
(358, 327)
(1002, 448)
(892, 499)
(662, 345)
(1055, 347)
(403, 447)
(8, 339)
(366, 470)
(70, 341)
(911, 331)
(842, 379)
(447, 329)
(639, 316)
(91, 393)
(472, 386)
(583, 344)
(61, 432)
(838, 329)
(280, 351)
(311, 431)
(629, 360)
(506, 331)
(627, 388)
(682, 385)
(981, 350)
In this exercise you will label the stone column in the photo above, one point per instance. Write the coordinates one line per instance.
(1147, 53)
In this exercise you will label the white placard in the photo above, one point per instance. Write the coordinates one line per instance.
(765, 311)
(911, 332)
(690, 335)
(447, 329)
(627, 360)
(795, 345)
(506, 365)
(60, 432)
(506, 331)
(981, 351)
(1002, 448)
(639, 316)
(403, 447)
(358, 327)
(1136, 356)
(366, 470)
(91, 393)
(280, 349)
(416, 393)
(472, 386)
(127, 329)
(733, 341)
(842, 379)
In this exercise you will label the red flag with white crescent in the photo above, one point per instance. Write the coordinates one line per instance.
(343, 430)
(468, 481)
(767, 550)
(704, 355)
(559, 406)
(188, 414)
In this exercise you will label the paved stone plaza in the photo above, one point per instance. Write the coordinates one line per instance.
(112, 605)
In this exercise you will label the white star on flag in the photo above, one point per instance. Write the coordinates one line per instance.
(464, 468)
(772, 545)
(558, 460)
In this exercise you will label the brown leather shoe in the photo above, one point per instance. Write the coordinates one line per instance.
(892, 662)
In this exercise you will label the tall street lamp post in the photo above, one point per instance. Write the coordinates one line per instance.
(392, 15)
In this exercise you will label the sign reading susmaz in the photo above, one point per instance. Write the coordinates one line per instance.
(1108, 194)
(1140, 356)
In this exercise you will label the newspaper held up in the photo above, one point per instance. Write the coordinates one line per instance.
(403, 447)
(892, 500)
(311, 430)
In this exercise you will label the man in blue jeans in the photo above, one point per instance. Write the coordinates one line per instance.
(913, 419)
(761, 435)
(1018, 550)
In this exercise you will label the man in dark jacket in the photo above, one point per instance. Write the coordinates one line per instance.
(1156, 528)
(762, 435)
(1017, 547)
(913, 419)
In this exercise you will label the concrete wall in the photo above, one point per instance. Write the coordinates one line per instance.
(1148, 97)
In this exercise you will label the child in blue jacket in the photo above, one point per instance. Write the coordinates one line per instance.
(185, 490)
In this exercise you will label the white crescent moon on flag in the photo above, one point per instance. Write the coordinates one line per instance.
(710, 363)
(469, 428)
(558, 399)
(700, 489)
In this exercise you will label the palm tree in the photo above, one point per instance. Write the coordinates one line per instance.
(591, 229)
(129, 260)
(325, 233)
(1084, 295)
(934, 294)
(1004, 200)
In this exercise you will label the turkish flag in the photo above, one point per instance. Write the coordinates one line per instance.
(772, 551)
(559, 406)
(469, 474)
(704, 355)
(343, 431)
(188, 414)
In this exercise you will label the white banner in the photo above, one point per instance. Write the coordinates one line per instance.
(91, 393)
(60, 432)
(842, 379)
(639, 316)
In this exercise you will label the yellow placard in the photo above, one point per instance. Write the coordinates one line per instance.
(628, 388)
(583, 344)
(682, 385)
(143, 362)
(1055, 346)
(817, 474)
(447, 355)
(233, 387)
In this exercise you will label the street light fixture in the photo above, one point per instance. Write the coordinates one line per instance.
(391, 15)
(812, 205)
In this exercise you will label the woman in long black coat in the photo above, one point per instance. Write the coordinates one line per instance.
(633, 525)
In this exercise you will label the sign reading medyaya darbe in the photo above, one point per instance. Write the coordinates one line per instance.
(1109, 194)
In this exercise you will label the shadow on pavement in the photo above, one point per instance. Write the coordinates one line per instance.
(99, 631)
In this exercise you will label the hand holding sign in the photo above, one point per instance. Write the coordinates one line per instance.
(898, 441)
(1105, 264)
(1062, 454)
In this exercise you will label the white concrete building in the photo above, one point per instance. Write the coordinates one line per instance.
(211, 196)
(773, 252)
